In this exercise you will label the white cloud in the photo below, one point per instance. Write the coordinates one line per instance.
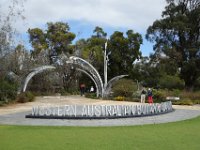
(135, 14)
(111, 14)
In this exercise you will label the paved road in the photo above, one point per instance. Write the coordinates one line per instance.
(16, 115)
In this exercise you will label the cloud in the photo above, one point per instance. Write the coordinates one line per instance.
(84, 15)
(134, 14)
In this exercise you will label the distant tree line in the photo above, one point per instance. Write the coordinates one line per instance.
(174, 64)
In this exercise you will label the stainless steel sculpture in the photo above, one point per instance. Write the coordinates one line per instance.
(33, 73)
(96, 85)
(103, 89)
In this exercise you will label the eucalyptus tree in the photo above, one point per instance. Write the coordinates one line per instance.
(8, 18)
(124, 50)
(11, 12)
(94, 48)
(56, 40)
(54, 44)
(177, 37)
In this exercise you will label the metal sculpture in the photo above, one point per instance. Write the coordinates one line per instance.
(33, 73)
(103, 89)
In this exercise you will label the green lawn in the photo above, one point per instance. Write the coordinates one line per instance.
(183, 135)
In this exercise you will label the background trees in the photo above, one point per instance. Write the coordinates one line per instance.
(52, 46)
(94, 48)
(177, 37)
(54, 41)
(12, 57)
(124, 51)
(174, 64)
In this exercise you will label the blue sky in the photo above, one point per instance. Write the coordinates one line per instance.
(84, 15)
(86, 30)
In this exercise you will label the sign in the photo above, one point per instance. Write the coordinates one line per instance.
(99, 111)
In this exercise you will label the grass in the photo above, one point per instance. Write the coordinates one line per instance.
(184, 135)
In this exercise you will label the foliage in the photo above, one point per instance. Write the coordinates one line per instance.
(171, 82)
(8, 91)
(119, 98)
(157, 75)
(48, 81)
(136, 96)
(124, 88)
(54, 46)
(11, 60)
(183, 102)
(91, 95)
(140, 137)
(25, 97)
(190, 95)
(186, 97)
(55, 40)
(124, 51)
(146, 72)
(72, 91)
(159, 96)
(176, 36)
(7, 30)
(94, 47)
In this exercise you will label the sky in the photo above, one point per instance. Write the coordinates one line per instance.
(84, 15)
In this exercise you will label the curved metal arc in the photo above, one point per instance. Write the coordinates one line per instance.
(33, 73)
(74, 58)
(97, 88)
(110, 83)
(91, 68)
(90, 74)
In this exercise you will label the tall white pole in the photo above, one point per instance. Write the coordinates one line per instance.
(105, 65)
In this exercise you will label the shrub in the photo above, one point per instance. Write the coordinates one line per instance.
(72, 91)
(186, 97)
(25, 97)
(8, 91)
(91, 95)
(196, 101)
(119, 98)
(190, 95)
(159, 95)
(183, 102)
(171, 82)
(124, 87)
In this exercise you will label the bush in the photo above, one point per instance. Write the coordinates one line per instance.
(159, 95)
(124, 87)
(91, 95)
(183, 102)
(119, 98)
(190, 95)
(186, 97)
(196, 101)
(8, 91)
(25, 97)
(171, 82)
(65, 92)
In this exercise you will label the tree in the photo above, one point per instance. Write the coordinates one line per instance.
(53, 45)
(94, 48)
(147, 72)
(55, 40)
(8, 62)
(7, 34)
(7, 30)
(124, 51)
(177, 36)
(99, 32)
